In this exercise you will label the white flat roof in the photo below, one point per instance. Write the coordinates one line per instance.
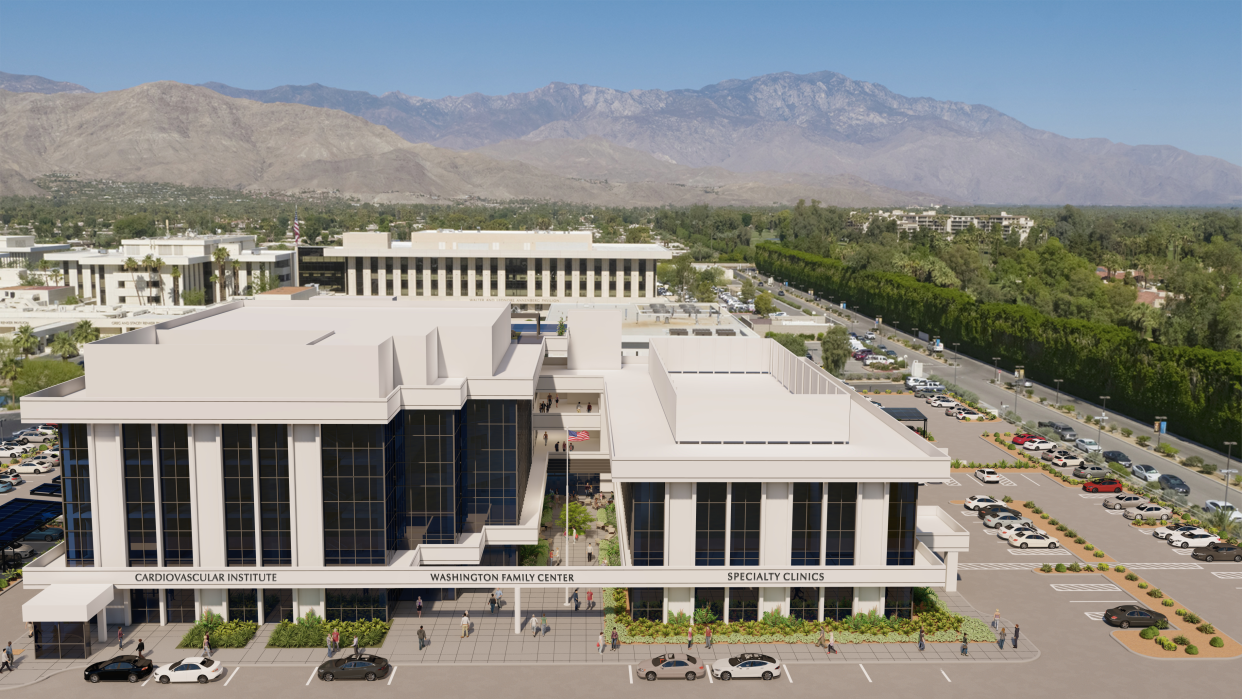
(708, 407)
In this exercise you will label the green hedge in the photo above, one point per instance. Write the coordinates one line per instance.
(939, 624)
(234, 634)
(1195, 387)
(312, 632)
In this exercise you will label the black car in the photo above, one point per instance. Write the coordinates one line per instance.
(1174, 483)
(985, 512)
(1128, 615)
(1117, 457)
(354, 667)
(129, 668)
(1218, 552)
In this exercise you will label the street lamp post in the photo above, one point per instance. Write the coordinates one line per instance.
(996, 366)
(955, 361)
(1016, 371)
(1228, 458)
(1159, 419)
(1057, 404)
(1099, 426)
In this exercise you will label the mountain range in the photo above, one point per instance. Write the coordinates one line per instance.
(775, 137)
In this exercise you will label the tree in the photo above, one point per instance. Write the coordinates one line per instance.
(176, 282)
(136, 226)
(131, 265)
(221, 257)
(194, 297)
(794, 343)
(36, 375)
(9, 364)
(235, 266)
(748, 291)
(764, 305)
(156, 265)
(85, 332)
(64, 345)
(25, 341)
(683, 272)
(835, 349)
(579, 517)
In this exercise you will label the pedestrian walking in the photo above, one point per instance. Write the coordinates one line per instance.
(141, 647)
(556, 447)
(543, 624)
(965, 645)
(996, 620)
(832, 642)
(545, 439)
(422, 638)
(599, 645)
(355, 645)
(491, 602)
(534, 625)
(30, 629)
(588, 558)
(579, 406)
(690, 637)
(588, 408)
(207, 645)
(707, 637)
(465, 625)
(575, 531)
(557, 400)
(922, 646)
(616, 639)
(8, 658)
(327, 641)
(1016, 630)
(820, 642)
(418, 604)
(575, 599)
(1000, 642)
(120, 638)
(590, 600)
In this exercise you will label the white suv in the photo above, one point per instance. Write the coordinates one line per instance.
(1086, 445)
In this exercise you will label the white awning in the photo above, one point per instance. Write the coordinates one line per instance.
(68, 603)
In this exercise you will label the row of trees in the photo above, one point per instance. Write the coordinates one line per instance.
(1199, 389)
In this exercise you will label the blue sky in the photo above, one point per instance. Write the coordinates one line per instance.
(1133, 72)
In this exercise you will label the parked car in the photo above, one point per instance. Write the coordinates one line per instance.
(1091, 471)
(354, 667)
(989, 510)
(1086, 445)
(1222, 506)
(1169, 530)
(45, 534)
(1218, 552)
(1008, 529)
(1067, 433)
(968, 415)
(1066, 459)
(1024, 437)
(1048, 455)
(1128, 615)
(1053, 425)
(1117, 457)
(1123, 500)
(669, 665)
(1039, 444)
(746, 665)
(13, 477)
(1193, 539)
(987, 475)
(6, 487)
(35, 435)
(974, 502)
(122, 668)
(34, 467)
(19, 550)
(1174, 483)
(1102, 485)
(1033, 540)
(953, 411)
(1148, 510)
(193, 669)
(995, 520)
(941, 402)
(1143, 472)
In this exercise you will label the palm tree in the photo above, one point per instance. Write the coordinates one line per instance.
(25, 341)
(85, 332)
(1224, 523)
(1143, 318)
(44, 266)
(9, 369)
(156, 265)
(64, 345)
(176, 280)
(236, 265)
(221, 257)
(131, 265)
(214, 279)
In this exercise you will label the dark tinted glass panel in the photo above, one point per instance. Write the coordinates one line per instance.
(642, 277)
(646, 523)
(79, 525)
(277, 605)
(238, 495)
(244, 605)
(497, 460)
(175, 495)
(743, 604)
(358, 604)
(274, 519)
(711, 599)
(144, 606)
(429, 462)
(180, 605)
(898, 602)
(140, 512)
(804, 603)
(625, 277)
(515, 276)
(354, 488)
(709, 534)
(903, 499)
(745, 526)
(807, 508)
(315, 268)
(646, 603)
(838, 602)
(842, 504)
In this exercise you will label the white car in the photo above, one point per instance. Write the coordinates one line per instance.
(995, 520)
(987, 475)
(19, 549)
(1123, 500)
(1193, 539)
(35, 435)
(746, 665)
(941, 402)
(196, 669)
(1222, 506)
(1144, 472)
(1009, 529)
(1148, 510)
(976, 502)
(1169, 530)
(1068, 460)
(1038, 445)
(1087, 446)
(968, 415)
(11, 476)
(33, 467)
(1033, 541)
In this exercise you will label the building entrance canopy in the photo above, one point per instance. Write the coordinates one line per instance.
(68, 602)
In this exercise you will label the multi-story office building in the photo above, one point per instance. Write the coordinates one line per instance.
(911, 221)
(103, 275)
(393, 447)
(504, 266)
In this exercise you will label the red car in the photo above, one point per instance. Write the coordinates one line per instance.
(1023, 438)
(1102, 485)
(862, 354)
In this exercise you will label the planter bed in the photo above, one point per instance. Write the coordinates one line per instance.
(311, 631)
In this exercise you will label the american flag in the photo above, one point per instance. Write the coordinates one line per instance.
(579, 435)
(297, 232)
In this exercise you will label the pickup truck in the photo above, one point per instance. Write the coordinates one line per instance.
(1058, 426)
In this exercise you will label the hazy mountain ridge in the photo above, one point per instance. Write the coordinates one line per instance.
(34, 83)
(170, 132)
(821, 123)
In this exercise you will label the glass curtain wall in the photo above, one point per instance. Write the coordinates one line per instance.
(745, 525)
(743, 604)
(646, 523)
(244, 605)
(808, 499)
(141, 518)
(354, 486)
(497, 459)
(838, 602)
(79, 525)
(903, 500)
(274, 517)
(427, 478)
(842, 504)
(804, 603)
(899, 602)
(238, 495)
(174, 445)
(709, 534)
(515, 276)
(647, 603)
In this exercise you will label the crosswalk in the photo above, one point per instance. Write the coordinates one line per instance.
(1163, 566)
(1229, 576)
(1095, 616)
(1095, 496)
(1039, 552)
(1085, 587)
(995, 566)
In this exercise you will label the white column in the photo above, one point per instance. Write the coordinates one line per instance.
(470, 276)
(517, 605)
(574, 278)
(502, 279)
(651, 279)
(950, 572)
(198, 604)
(259, 593)
(159, 503)
(101, 620)
(487, 277)
(590, 293)
(823, 538)
(93, 471)
(560, 278)
(456, 267)
(633, 278)
(728, 524)
(442, 275)
(530, 277)
(350, 276)
(819, 615)
(546, 280)
(163, 607)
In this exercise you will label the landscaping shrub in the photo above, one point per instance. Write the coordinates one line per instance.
(1006, 499)
(1086, 546)
(234, 634)
(1181, 640)
(1126, 432)
(1206, 628)
(1119, 569)
(1167, 602)
(1060, 527)
(1155, 593)
(1098, 554)
(1216, 642)
(1028, 504)
(1071, 533)
(1191, 617)
(1192, 650)
(1054, 523)
(1142, 586)
(1078, 539)
(1129, 576)
(1180, 612)
(1046, 568)
(1166, 643)
(1162, 624)
(1061, 568)
(1074, 567)
(1149, 633)
(310, 631)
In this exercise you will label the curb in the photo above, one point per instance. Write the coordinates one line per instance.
(1183, 656)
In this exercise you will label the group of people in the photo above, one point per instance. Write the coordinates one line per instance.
(334, 642)
(569, 446)
(554, 402)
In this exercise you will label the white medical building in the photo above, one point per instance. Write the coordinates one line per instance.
(370, 449)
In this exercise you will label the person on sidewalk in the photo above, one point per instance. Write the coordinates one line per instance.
(965, 645)
(922, 645)
(832, 642)
(336, 640)
(820, 642)
(327, 641)
(574, 598)
(996, 620)
(616, 639)
(575, 531)
(707, 637)
(599, 645)
(465, 624)
(534, 625)
(355, 646)
(491, 602)
(690, 637)
(7, 663)
(141, 647)
(422, 638)
(545, 439)
(1000, 642)
(556, 447)
(543, 624)
(588, 561)
(418, 604)
(120, 638)
(207, 645)
(590, 599)
(1016, 630)
(579, 406)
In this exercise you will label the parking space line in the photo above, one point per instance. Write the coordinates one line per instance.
(1095, 616)
(394, 674)
(1085, 587)
(787, 675)
(631, 674)
(1229, 575)
(1029, 479)
(308, 679)
(232, 674)
(864, 671)
(144, 682)
(945, 676)
(709, 674)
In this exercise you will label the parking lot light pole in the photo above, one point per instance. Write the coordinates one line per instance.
(1099, 426)
(1228, 458)
(1016, 370)
(996, 366)
(1057, 404)
(1160, 419)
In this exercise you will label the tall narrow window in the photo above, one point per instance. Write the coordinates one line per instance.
(388, 278)
(599, 278)
(435, 276)
(582, 277)
(842, 503)
(478, 276)
(450, 285)
(709, 524)
(274, 518)
(838, 602)
(375, 278)
(808, 501)
(238, 495)
(419, 287)
(612, 277)
(497, 460)
(463, 265)
(405, 276)
(539, 276)
(515, 276)
(899, 602)
(140, 514)
(804, 603)
(646, 522)
(567, 288)
(903, 500)
(625, 279)
(642, 278)
(495, 278)
(79, 524)
(175, 495)
(555, 283)
(744, 530)
(357, 276)
(428, 478)
(354, 524)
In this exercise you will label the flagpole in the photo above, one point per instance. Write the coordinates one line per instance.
(566, 507)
